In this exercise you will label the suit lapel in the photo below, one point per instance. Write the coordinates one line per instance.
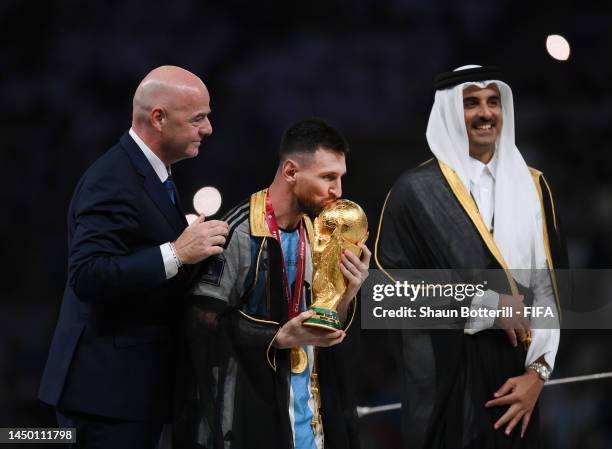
(179, 207)
(153, 186)
(156, 190)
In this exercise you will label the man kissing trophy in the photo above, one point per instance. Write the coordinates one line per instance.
(340, 226)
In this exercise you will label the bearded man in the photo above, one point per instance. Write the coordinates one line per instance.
(475, 206)
(264, 379)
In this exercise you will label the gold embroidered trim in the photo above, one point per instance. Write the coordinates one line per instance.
(272, 362)
(380, 221)
(309, 232)
(552, 203)
(466, 200)
(257, 320)
(249, 317)
(536, 175)
(354, 307)
(257, 218)
(426, 162)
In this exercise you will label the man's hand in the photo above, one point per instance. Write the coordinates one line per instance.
(516, 326)
(521, 394)
(294, 334)
(201, 240)
(355, 270)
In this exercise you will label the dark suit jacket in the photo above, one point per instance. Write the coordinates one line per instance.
(113, 352)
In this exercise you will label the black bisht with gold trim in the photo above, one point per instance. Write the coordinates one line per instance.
(234, 387)
(428, 223)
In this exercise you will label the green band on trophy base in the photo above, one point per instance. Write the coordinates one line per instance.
(324, 319)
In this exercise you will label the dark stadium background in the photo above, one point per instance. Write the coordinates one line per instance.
(69, 69)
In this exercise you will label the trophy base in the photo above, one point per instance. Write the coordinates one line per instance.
(323, 319)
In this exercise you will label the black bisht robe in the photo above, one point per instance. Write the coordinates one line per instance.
(448, 376)
(218, 333)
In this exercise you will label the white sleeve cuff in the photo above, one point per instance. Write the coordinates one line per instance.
(545, 332)
(170, 263)
(544, 342)
(489, 302)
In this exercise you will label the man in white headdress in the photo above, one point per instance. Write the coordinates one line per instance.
(476, 205)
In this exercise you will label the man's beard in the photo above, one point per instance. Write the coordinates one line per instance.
(309, 207)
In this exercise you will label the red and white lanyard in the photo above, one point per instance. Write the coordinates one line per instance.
(293, 305)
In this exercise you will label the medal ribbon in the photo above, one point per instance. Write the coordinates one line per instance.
(293, 304)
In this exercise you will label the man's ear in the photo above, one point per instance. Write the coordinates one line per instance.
(157, 117)
(289, 170)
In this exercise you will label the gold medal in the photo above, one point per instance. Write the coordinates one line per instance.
(299, 360)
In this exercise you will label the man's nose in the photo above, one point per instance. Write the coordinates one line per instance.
(485, 112)
(336, 190)
(206, 128)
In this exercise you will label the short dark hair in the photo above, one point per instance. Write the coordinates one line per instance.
(306, 136)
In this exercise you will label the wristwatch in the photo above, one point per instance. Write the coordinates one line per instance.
(542, 370)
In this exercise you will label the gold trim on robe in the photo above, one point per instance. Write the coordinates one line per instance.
(536, 175)
(468, 204)
(257, 218)
(466, 200)
(259, 228)
(380, 221)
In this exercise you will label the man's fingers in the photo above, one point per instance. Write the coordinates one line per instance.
(514, 422)
(214, 251)
(526, 324)
(521, 333)
(335, 334)
(351, 258)
(348, 274)
(511, 336)
(504, 400)
(216, 223)
(303, 316)
(218, 228)
(510, 413)
(350, 264)
(506, 388)
(336, 340)
(366, 254)
(197, 221)
(217, 240)
(525, 424)
(332, 339)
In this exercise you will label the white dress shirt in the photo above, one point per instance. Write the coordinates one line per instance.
(544, 342)
(170, 264)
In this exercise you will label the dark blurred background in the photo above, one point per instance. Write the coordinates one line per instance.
(69, 69)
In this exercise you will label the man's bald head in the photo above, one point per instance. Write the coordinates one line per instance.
(167, 102)
(164, 86)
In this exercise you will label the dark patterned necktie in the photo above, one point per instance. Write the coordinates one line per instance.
(169, 184)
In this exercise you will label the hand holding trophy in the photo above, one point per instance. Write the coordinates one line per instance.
(340, 226)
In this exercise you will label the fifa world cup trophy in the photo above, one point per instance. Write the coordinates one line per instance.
(341, 225)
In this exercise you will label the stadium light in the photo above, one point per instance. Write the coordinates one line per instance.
(558, 47)
(207, 201)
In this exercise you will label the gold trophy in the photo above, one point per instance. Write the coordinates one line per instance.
(339, 226)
